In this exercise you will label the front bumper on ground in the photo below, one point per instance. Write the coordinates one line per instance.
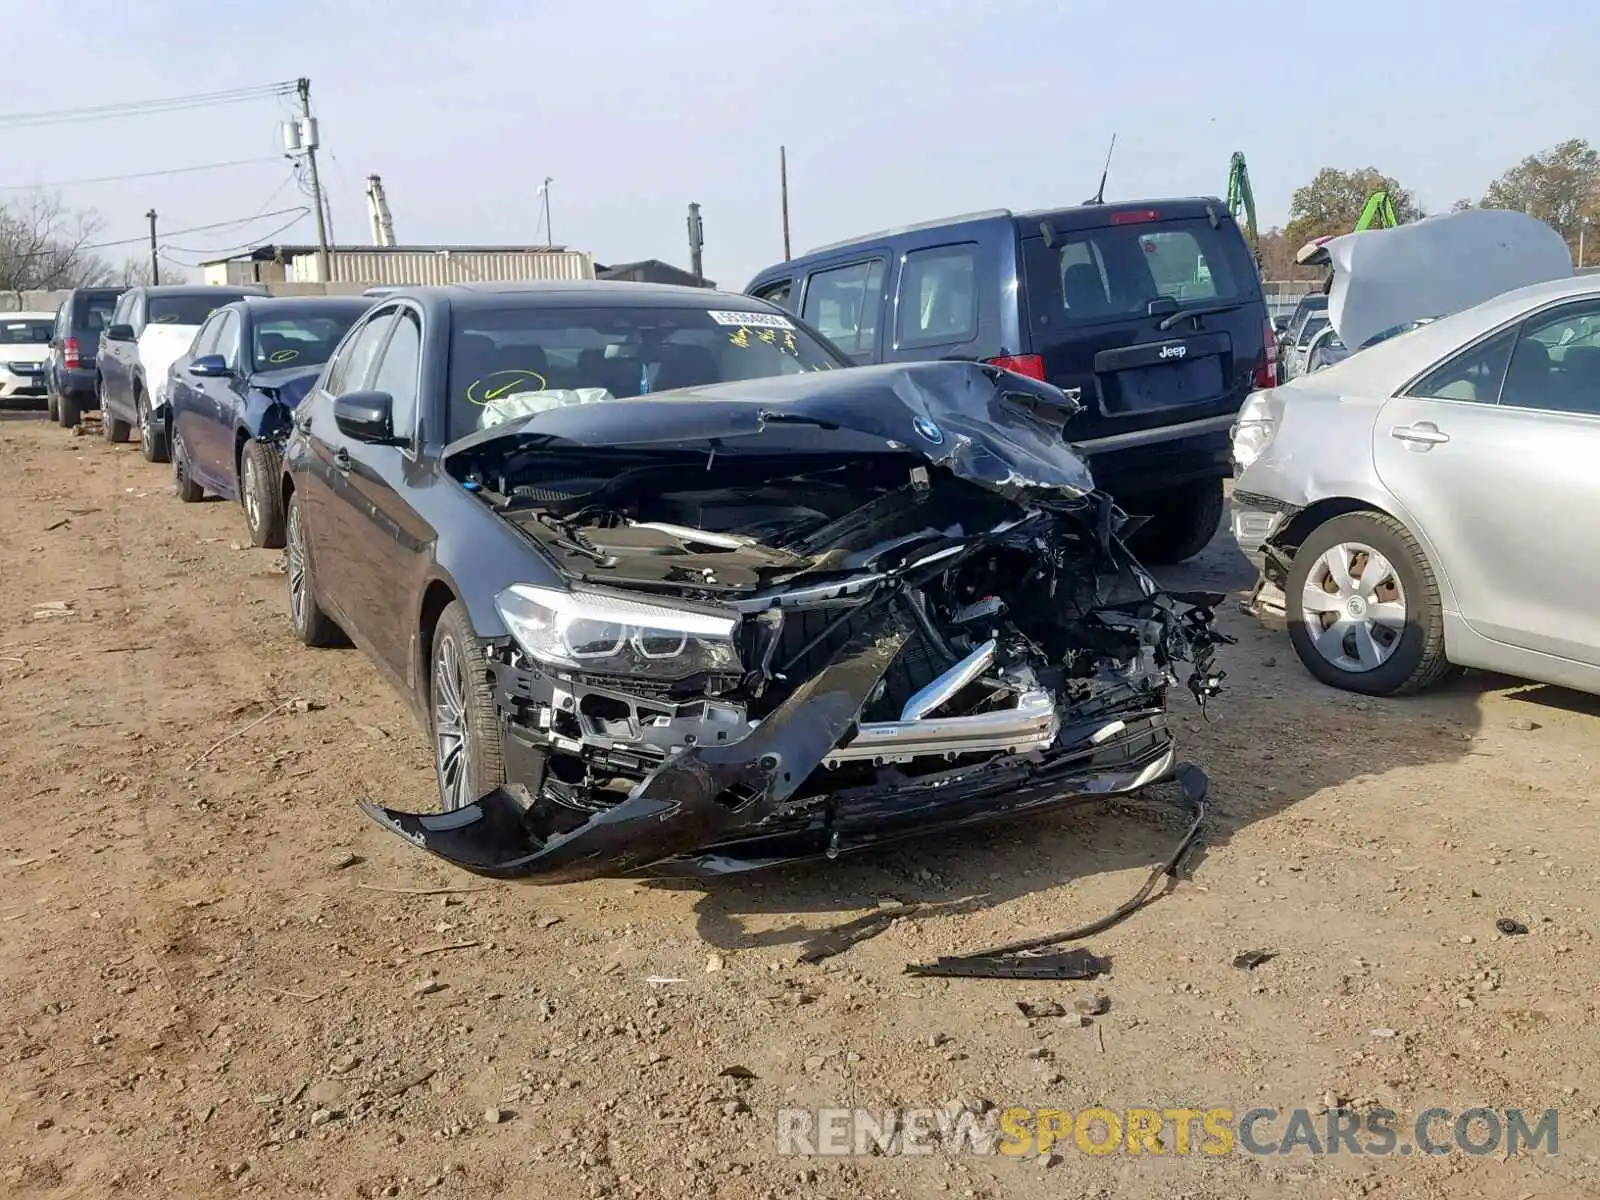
(714, 809)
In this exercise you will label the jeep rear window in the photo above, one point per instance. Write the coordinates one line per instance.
(1093, 275)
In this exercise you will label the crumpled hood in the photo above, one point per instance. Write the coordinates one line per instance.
(990, 427)
(159, 347)
(1434, 267)
(287, 385)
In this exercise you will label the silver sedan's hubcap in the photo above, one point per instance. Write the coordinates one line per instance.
(144, 424)
(450, 724)
(1354, 607)
(295, 551)
(252, 501)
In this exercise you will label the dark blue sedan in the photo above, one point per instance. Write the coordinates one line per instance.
(233, 392)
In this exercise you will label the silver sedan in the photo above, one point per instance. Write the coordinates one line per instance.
(1434, 501)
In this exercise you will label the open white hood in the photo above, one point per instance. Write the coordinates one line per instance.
(1434, 267)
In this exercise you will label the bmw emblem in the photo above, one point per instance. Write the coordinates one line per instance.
(928, 430)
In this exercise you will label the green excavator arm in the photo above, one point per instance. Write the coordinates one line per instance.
(1240, 197)
(1378, 213)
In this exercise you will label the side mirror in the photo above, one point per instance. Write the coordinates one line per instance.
(1280, 324)
(366, 417)
(209, 366)
(119, 333)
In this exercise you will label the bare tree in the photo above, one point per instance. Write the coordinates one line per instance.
(44, 244)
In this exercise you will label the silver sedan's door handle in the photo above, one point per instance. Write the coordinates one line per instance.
(1424, 433)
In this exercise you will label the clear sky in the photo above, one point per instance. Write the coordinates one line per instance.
(892, 111)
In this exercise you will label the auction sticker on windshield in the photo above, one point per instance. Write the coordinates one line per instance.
(751, 320)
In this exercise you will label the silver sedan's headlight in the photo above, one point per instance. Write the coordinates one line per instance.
(612, 635)
(1253, 431)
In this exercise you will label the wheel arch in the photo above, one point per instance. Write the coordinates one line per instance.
(436, 597)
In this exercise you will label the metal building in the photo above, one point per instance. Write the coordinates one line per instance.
(400, 265)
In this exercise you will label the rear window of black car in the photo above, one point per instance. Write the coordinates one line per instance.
(1087, 276)
(617, 352)
(297, 340)
(94, 312)
(183, 310)
(25, 333)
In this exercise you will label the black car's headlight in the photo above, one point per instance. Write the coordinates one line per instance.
(613, 635)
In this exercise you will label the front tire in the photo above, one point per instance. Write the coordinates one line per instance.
(152, 432)
(468, 757)
(260, 468)
(182, 479)
(112, 428)
(1183, 522)
(1363, 607)
(312, 625)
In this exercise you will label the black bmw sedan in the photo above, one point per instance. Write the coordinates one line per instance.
(672, 591)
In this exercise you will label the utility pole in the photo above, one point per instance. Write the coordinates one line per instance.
(549, 238)
(309, 136)
(696, 245)
(783, 185)
(155, 263)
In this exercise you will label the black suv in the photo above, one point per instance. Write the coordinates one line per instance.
(69, 371)
(1150, 313)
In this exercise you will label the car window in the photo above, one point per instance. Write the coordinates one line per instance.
(1556, 363)
(938, 302)
(397, 372)
(1114, 271)
(24, 332)
(1310, 330)
(228, 339)
(297, 339)
(349, 370)
(514, 361)
(780, 293)
(205, 340)
(843, 305)
(94, 312)
(1473, 375)
(184, 310)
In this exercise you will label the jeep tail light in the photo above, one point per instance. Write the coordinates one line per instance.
(1267, 372)
(69, 354)
(1136, 216)
(1031, 365)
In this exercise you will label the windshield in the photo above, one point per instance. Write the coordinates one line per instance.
(95, 313)
(25, 333)
(510, 362)
(185, 310)
(1312, 327)
(298, 341)
(1113, 272)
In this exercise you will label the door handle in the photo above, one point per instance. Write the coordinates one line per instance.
(341, 460)
(1423, 433)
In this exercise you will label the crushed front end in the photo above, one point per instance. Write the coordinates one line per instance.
(750, 666)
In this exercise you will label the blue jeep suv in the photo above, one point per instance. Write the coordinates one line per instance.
(1149, 313)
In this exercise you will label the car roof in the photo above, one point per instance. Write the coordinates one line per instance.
(204, 289)
(1178, 206)
(269, 304)
(30, 315)
(578, 293)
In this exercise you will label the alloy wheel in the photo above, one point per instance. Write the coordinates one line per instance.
(450, 731)
(146, 433)
(1354, 607)
(248, 490)
(295, 553)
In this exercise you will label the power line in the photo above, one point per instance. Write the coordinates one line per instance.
(55, 250)
(135, 108)
(217, 166)
(300, 215)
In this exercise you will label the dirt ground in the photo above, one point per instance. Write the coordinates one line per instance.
(214, 981)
